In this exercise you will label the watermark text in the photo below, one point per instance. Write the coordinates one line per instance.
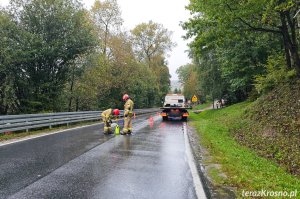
(268, 193)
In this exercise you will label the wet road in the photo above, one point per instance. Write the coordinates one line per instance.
(83, 163)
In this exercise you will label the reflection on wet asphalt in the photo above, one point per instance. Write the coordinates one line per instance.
(150, 163)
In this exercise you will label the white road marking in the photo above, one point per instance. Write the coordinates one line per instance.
(3, 143)
(191, 161)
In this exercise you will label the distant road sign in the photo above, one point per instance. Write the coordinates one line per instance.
(194, 98)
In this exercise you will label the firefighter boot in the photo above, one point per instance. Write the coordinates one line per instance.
(106, 130)
(124, 132)
(129, 130)
(125, 128)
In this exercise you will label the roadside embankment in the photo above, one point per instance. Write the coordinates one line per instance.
(232, 163)
(271, 127)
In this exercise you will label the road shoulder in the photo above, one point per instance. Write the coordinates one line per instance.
(204, 167)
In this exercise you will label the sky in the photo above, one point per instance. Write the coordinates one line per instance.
(166, 12)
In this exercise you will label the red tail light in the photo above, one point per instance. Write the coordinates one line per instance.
(185, 115)
(163, 114)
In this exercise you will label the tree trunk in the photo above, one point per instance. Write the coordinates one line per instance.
(296, 59)
(71, 90)
(292, 56)
(287, 57)
(77, 104)
(70, 104)
(105, 39)
(294, 47)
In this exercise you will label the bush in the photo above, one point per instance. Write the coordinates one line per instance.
(276, 73)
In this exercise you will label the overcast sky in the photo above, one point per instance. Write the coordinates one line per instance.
(167, 12)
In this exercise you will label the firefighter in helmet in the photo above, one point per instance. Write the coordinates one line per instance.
(128, 113)
(107, 115)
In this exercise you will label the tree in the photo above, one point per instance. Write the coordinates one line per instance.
(151, 40)
(188, 77)
(267, 17)
(51, 60)
(107, 18)
(104, 82)
(240, 38)
(13, 43)
(161, 71)
(58, 32)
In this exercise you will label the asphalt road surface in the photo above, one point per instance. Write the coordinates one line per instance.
(153, 162)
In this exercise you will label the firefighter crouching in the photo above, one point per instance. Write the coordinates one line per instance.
(107, 116)
(128, 114)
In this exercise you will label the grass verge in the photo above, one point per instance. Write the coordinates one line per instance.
(244, 169)
(202, 106)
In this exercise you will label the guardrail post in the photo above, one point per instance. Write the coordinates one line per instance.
(27, 128)
(50, 126)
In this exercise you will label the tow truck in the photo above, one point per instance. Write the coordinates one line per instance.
(174, 107)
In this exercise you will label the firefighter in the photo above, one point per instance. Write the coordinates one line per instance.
(128, 113)
(107, 115)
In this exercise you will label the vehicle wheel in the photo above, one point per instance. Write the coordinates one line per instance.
(184, 118)
(165, 118)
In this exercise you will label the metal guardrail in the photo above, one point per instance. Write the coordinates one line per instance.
(11, 123)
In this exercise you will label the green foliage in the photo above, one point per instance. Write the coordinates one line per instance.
(109, 75)
(244, 169)
(104, 82)
(151, 43)
(203, 106)
(11, 47)
(277, 73)
(187, 75)
(106, 16)
(236, 39)
(151, 40)
(271, 126)
(242, 60)
(57, 56)
(50, 36)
